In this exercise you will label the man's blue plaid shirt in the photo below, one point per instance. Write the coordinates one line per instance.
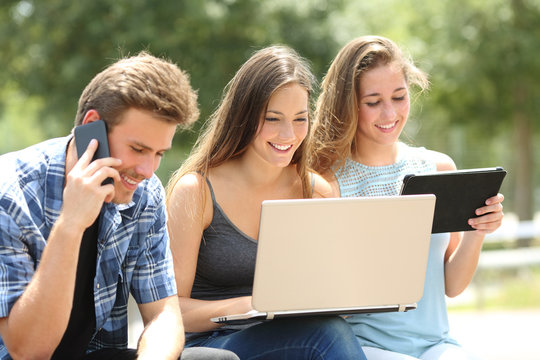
(133, 244)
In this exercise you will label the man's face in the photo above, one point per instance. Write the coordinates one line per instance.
(139, 140)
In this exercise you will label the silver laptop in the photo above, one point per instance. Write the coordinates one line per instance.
(340, 256)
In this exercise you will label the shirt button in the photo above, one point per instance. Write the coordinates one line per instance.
(97, 285)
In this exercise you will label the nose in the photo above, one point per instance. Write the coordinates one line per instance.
(147, 166)
(286, 130)
(389, 112)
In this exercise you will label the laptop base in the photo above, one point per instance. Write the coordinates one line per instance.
(254, 315)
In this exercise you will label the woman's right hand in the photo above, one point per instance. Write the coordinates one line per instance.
(196, 314)
(241, 305)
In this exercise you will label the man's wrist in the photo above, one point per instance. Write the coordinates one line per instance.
(65, 228)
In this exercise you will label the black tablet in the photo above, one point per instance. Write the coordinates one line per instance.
(459, 193)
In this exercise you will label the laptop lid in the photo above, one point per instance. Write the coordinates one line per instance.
(367, 252)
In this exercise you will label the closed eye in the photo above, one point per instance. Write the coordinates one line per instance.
(372, 104)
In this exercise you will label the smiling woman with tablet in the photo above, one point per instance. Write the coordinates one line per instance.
(362, 109)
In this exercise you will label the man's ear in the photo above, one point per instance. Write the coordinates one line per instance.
(90, 116)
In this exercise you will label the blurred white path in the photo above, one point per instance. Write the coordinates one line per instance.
(498, 335)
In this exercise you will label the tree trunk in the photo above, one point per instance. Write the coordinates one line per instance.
(523, 130)
(523, 169)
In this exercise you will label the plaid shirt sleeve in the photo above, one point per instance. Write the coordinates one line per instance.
(16, 265)
(153, 275)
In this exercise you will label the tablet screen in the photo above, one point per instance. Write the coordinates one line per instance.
(459, 193)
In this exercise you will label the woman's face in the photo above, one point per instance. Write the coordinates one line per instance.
(383, 105)
(283, 126)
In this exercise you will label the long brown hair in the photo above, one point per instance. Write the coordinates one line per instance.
(335, 124)
(233, 126)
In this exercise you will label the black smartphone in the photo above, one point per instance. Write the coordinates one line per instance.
(93, 130)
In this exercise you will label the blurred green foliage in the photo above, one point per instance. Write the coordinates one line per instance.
(483, 57)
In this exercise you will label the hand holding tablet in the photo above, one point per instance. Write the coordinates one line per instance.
(459, 193)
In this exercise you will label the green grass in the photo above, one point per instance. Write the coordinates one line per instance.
(504, 290)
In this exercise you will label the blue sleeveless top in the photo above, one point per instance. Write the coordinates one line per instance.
(412, 332)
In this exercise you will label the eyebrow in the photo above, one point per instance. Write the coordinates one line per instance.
(378, 94)
(280, 113)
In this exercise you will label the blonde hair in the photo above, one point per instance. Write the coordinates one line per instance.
(233, 126)
(335, 124)
(144, 82)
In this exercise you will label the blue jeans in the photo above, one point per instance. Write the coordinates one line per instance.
(315, 338)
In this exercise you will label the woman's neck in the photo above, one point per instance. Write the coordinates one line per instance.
(257, 174)
(371, 154)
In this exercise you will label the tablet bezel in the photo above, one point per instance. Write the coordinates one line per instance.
(459, 193)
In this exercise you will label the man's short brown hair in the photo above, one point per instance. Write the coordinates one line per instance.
(144, 82)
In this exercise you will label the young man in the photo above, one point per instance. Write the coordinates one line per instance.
(72, 249)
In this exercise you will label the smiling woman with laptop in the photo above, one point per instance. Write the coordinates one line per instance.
(362, 109)
(252, 150)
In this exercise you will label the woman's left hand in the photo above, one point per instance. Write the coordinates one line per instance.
(490, 216)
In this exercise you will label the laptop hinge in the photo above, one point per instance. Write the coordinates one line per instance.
(269, 316)
(402, 308)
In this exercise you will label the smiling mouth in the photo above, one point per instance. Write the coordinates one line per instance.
(386, 126)
(281, 147)
(128, 180)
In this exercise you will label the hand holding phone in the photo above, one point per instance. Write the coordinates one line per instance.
(93, 130)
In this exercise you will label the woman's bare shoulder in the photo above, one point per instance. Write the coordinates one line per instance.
(190, 197)
(442, 161)
(189, 183)
(324, 186)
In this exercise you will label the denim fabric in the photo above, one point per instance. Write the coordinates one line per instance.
(310, 338)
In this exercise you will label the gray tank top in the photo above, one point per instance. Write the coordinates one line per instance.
(226, 262)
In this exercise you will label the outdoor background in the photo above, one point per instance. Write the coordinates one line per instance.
(483, 106)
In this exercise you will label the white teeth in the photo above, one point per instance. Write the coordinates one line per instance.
(281, 147)
(129, 181)
(389, 126)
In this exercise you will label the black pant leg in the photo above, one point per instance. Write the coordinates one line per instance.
(112, 354)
